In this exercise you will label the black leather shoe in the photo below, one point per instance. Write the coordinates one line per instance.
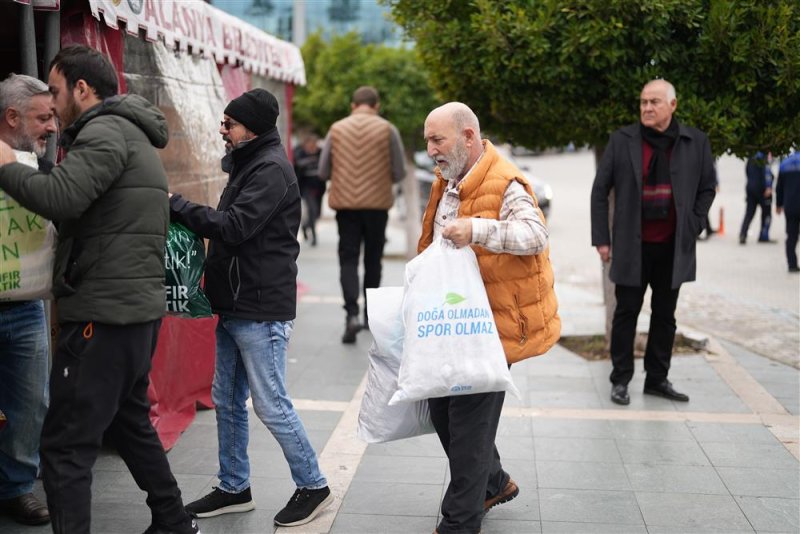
(351, 328)
(25, 509)
(665, 389)
(619, 394)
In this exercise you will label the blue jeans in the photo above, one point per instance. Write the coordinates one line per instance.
(23, 394)
(251, 359)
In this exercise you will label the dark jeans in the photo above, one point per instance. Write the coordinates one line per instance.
(467, 426)
(98, 385)
(792, 231)
(357, 227)
(765, 203)
(657, 272)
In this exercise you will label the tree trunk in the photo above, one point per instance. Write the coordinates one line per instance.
(609, 299)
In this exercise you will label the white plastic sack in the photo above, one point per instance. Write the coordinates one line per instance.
(384, 308)
(377, 421)
(451, 344)
(27, 248)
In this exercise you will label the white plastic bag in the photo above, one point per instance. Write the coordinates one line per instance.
(451, 344)
(27, 248)
(377, 421)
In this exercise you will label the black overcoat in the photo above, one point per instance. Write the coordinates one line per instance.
(693, 178)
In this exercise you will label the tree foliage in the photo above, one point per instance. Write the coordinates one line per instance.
(335, 69)
(543, 73)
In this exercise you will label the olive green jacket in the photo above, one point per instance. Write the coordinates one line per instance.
(109, 199)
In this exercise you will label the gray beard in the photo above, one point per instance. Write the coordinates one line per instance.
(456, 163)
(25, 143)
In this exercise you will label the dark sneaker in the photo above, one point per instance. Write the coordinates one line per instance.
(304, 506)
(25, 509)
(351, 328)
(190, 528)
(509, 492)
(219, 502)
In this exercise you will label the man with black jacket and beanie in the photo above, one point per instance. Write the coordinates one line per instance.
(250, 278)
(662, 175)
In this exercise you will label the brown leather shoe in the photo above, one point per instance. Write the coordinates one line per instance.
(25, 509)
(509, 492)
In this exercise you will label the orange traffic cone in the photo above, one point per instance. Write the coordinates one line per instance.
(721, 230)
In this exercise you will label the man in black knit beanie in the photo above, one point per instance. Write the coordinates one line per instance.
(251, 282)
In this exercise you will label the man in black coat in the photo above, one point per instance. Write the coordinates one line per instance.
(662, 175)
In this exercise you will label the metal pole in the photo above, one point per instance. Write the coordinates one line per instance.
(299, 22)
(52, 44)
(52, 40)
(27, 41)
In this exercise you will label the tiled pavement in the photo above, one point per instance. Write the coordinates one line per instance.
(716, 464)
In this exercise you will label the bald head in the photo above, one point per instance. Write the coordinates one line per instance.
(657, 103)
(453, 137)
(662, 86)
(460, 115)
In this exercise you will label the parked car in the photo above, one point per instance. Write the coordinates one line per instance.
(425, 177)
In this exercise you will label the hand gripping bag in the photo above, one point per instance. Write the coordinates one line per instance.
(27, 247)
(451, 345)
(184, 259)
(377, 421)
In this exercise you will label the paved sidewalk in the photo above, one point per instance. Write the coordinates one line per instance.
(725, 462)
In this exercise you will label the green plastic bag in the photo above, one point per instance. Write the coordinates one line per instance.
(184, 259)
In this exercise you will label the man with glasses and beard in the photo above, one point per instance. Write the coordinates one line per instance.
(251, 282)
(109, 196)
(481, 200)
(27, 120)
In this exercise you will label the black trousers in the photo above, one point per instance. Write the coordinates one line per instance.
(792, 231)
(765, 203)
(357, 227)
(312, 197)
(467, 426)
(657, 273)
(98, 385)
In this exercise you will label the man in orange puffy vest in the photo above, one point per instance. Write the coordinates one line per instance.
(482, 200)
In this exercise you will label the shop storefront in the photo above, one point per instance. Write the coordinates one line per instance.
(189, 59)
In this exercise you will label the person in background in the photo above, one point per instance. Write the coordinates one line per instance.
(662, 175)
(362, 157)
(306, 166)
(109, 196)
(27, 120)
(759, 194)
(787, 202)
